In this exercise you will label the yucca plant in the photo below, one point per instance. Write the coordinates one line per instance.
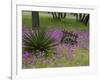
(38, 42)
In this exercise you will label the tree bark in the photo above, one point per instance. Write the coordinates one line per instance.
(83, 17)
(80, 17)
(86, 19)
(35, 20)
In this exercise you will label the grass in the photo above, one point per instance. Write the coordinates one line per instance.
(27, 20)
(48, 21)
(80, 58)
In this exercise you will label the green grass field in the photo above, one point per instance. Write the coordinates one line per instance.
(48, 21)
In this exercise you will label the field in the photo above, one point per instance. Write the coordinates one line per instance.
(62, 54)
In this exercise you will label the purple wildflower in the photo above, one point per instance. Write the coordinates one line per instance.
(29, 58)
(56, 34)
(26, 55)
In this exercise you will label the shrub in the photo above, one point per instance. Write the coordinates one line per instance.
(38, 42)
